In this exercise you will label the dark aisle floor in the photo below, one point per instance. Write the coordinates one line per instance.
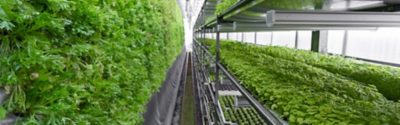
(188, 102)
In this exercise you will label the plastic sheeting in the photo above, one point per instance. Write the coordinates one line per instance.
(160, 109)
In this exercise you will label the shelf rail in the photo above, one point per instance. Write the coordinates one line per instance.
(268, 115)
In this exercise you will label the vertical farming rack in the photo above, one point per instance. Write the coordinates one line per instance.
(212, 79)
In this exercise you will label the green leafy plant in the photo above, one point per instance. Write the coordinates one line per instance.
(305, 93)
(85, 61)
(223, 5)
(242, 115)
(385, 78)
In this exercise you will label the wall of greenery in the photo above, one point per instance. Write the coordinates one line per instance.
(85, 61)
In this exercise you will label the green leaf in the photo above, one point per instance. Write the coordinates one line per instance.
(5, 25)
(3, 112)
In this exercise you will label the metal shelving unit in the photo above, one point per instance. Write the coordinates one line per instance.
(261, 15)
(205, 65)
(270, 15)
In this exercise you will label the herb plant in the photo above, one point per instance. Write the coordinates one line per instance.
(85, 61)
(223, 5)
(306, 93)
(240, 115)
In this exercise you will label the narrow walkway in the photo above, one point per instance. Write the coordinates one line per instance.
(188, 106)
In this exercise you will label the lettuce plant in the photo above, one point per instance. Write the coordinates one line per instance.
(303, 92)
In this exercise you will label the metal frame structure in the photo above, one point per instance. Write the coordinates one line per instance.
(205, 66)
(252, 15)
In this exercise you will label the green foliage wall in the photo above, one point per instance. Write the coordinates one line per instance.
(85, 61)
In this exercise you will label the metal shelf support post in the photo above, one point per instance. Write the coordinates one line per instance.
(296, 44)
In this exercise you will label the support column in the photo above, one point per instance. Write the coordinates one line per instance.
(204, 34)
(296, 44)
(272, 38)
(204, 22)
(345, 40)
(242, 37)
(315, 41)
(255, 37)
(319, 41)
(217, 60)
(345, 37)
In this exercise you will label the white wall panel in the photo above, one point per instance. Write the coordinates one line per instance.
(249, 37)
(383, 44)
(238, 36)
(223, 36)
(304, 40)
(335, 41)
(284, 38)
(263, 38)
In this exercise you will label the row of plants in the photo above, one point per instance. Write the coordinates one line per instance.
(240, 115)
(303, 93)
(224, 5)
(385, 78)
(85, 61)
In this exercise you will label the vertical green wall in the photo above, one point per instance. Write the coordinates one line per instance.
(85, 61)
